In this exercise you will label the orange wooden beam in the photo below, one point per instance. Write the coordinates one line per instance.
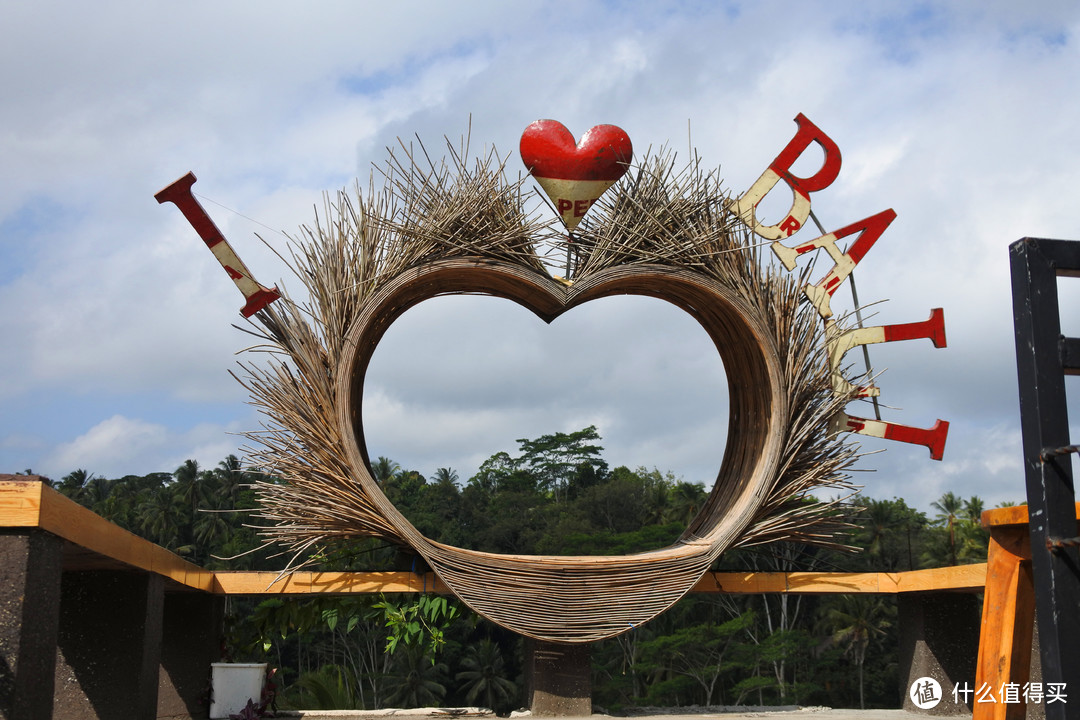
(315, 583)
(28, 503)
(1007, 622)
(1008, 618)
(961, 578)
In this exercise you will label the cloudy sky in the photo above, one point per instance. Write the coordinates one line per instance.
(116, 323)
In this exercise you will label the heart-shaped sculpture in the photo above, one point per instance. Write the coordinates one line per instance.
(575, 175)
(543, 596)
(474, 241)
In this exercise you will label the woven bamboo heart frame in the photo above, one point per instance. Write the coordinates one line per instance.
(447, 229)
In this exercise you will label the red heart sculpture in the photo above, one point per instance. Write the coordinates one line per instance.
(575, 175)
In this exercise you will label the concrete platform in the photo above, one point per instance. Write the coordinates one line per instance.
(755, 713)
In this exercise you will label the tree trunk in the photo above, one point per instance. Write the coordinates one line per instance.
(862, 702)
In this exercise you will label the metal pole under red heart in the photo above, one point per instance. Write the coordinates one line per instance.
(574, 174)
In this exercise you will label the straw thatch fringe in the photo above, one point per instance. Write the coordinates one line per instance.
(437, 228)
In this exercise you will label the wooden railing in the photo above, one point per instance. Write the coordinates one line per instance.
(97, 543)
(93, 543)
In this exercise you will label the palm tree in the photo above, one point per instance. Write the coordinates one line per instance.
(880, 519)
(95, 492)
(483, 676)
(230, 476)
(158, 515)
(384, 469)
(413, 681)
(973, 509)
(445, 476)
(658, 492)
(687, 499)
(854, 621)
(212, 528)
(189, 487)
(328, 688)
(73, 483)
(949, 507)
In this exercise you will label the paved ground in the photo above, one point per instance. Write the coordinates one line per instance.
(732, 714)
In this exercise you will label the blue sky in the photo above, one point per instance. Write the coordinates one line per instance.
(117, 324)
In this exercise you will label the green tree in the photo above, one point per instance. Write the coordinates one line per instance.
(230, 477)
(484, 677)
(854, 621)
(437, 512)
(973, 509)
(405, 489)
(96, 493)
(415, 679)
(890, 532)
(189, 485)
(949, 507)
(686, 501)
(698, 653)
(72, 484)
(558, 459)
(159, 517)
(212, 528)
(384, 469)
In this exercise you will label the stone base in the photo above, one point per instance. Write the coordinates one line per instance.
(109, 647)
(30, 572)
(558, 679)
(939, 639)
(191, 641)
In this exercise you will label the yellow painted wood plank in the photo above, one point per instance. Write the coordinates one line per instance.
(795, 582)
(337, 583)
(1015, 515)
(20, 502)
(25, 503)
(65, 518)
(741, 583)
(1008, 620)
(971, 578)
(836, 582)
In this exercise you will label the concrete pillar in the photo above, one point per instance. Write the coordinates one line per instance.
(30, 570)
(558, 678)
(191, 641)
(109, 649)
(1035, 711)
(939, 639)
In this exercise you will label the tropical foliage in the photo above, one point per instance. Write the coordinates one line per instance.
(555, 495)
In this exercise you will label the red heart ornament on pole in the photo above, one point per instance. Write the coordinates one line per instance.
(575, 175)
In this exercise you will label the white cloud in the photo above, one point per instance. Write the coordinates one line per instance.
(121, 446)
(953, 115)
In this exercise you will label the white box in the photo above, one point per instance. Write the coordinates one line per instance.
(233, 684)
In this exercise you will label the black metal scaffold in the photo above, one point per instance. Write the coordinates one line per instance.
(1043, 358)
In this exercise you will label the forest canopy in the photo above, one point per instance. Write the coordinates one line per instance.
(555, 494)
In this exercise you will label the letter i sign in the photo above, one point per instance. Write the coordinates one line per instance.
(865, 233)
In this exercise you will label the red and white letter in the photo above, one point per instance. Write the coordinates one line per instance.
(780, 169)
(256, 295)
(839, 344)
(869, 231)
